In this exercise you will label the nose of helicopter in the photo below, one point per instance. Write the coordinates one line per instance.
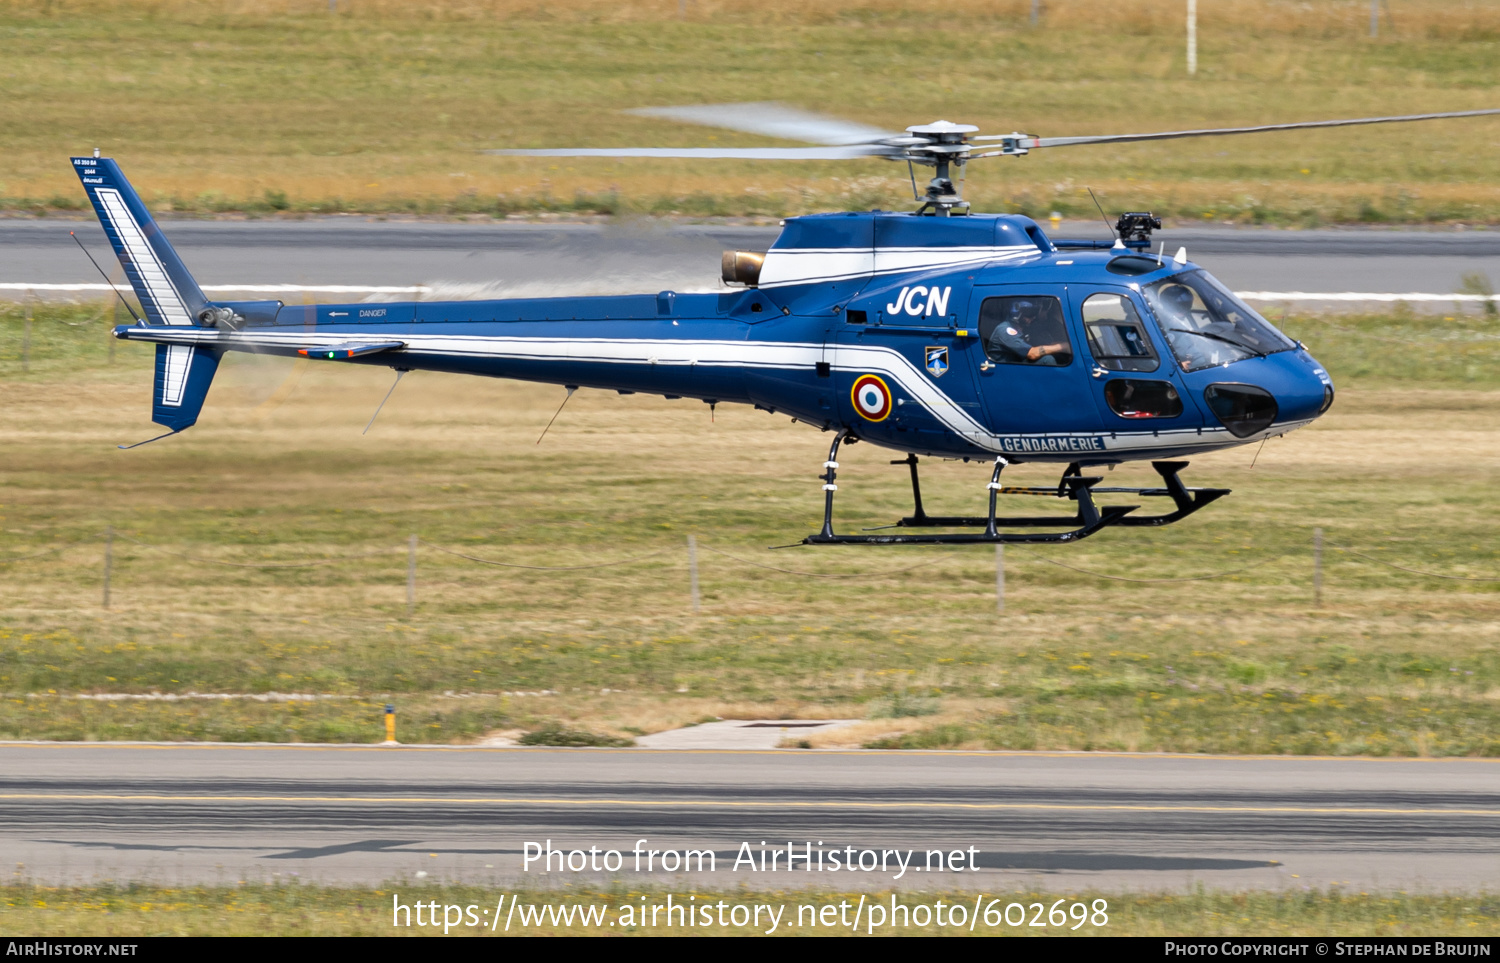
(1285, 389)
(1301, 386)
(1309, 393)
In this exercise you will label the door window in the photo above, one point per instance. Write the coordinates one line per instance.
(1117, 338)
(1025, 330)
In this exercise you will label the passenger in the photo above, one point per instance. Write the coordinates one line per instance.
(1015, 339)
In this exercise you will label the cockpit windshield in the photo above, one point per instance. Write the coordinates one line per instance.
(1207, 325)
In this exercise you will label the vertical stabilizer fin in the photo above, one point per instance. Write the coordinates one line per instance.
(183, 375)
(167, 292)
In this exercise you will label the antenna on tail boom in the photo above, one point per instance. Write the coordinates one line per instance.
(106, 279)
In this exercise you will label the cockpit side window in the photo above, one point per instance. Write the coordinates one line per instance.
(1025, 330)
(1117, 337)
(1206, 325)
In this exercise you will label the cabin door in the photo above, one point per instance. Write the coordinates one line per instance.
(1033, 376)
(1137, 389)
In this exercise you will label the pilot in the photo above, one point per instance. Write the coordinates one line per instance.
(1013, 340)
(1181, 324)
(1176, 302)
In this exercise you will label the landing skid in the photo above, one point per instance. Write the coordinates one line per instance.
(1074, 485)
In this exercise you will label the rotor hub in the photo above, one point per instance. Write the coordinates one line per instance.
(944, 131)
(941, 145)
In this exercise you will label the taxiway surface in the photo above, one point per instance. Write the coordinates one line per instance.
(527, 259)
(184, 813)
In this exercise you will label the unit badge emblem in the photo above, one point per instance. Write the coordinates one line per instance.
(937, 361)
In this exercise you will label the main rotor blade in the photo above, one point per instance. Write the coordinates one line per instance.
(771, 120)
(729, 153)
(1033, 142)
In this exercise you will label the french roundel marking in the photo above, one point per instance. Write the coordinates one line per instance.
(872, 399)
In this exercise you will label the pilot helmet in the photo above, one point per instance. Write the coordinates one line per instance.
(1024, 310)
(1177, 297)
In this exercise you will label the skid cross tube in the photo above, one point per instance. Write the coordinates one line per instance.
(994, 489)
(1073, 487)
(1088, 519)
(830, 474)
(1187, 500)
(916, 485)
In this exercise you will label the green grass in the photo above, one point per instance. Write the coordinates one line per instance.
(556, 734)
(258, 909)
(1459, 349)
(1404, 348)
(278, 108)
(1403, 470)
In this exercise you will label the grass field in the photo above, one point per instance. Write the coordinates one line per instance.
(1402, 470)
(280, 107)
(293, 910)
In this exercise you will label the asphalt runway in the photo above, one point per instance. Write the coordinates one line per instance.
(180, 814)
(528, 259)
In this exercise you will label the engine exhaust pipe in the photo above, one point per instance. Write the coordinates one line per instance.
(743, 267)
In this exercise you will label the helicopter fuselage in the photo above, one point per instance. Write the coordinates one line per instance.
(888, 327)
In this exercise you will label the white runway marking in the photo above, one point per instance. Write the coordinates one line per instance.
(1359, 296)
(250, 288)
(1334, 296)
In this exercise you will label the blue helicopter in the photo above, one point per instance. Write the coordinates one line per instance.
(940, 332)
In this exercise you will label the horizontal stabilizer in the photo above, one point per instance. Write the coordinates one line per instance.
(352, 349)
(263, 340)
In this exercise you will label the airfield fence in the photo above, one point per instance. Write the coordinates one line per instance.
(410, 550)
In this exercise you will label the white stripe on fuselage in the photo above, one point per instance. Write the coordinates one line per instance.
(721, 354)
(805, 265)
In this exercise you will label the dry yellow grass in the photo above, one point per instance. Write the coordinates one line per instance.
(1436, 18)
(386, 106)
(309, 910)
(278, 471)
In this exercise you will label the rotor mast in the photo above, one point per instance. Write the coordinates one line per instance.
(940, 145)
